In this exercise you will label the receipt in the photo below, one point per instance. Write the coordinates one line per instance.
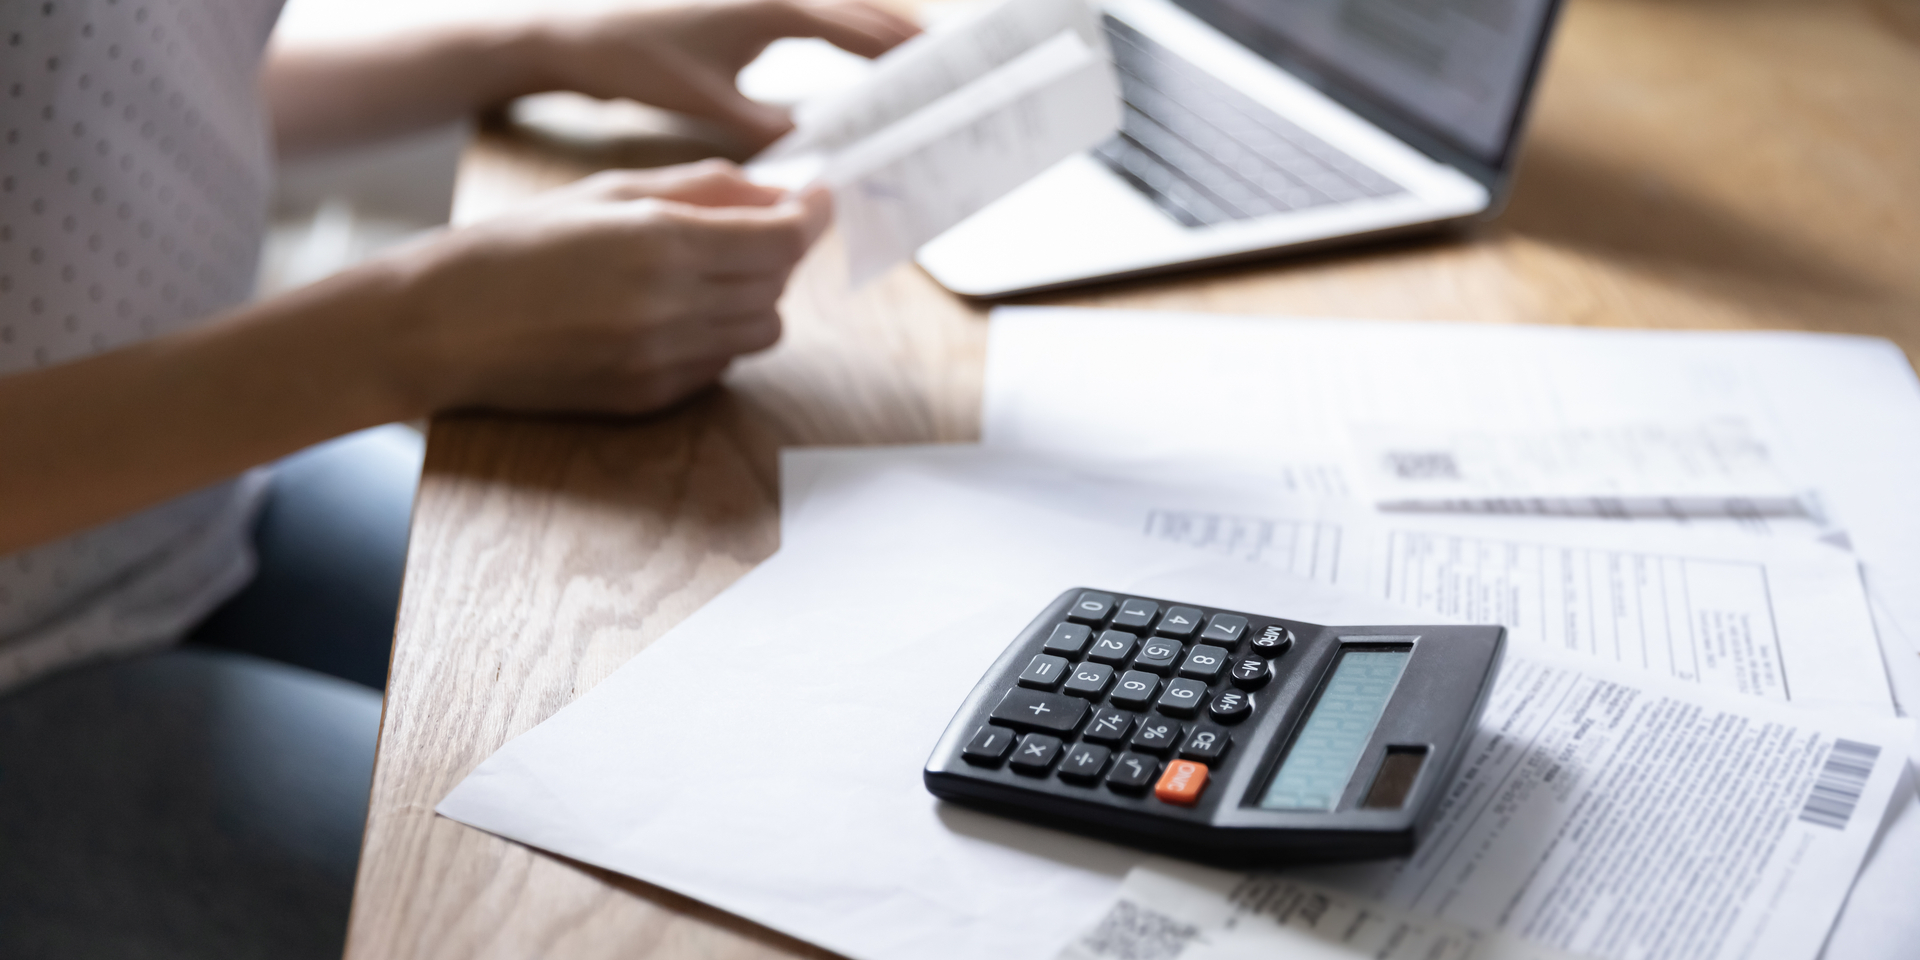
(1599, 813)
(946, 126)
(1167, 909)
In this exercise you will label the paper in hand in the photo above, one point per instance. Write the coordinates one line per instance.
(949, 123)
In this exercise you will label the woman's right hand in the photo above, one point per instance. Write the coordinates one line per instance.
(621, 293)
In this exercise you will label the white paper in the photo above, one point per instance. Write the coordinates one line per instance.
(1603, 813)
(1840, 415)
(1168, 908)
(1609, 814)
(1781, 619)
(949, 123)
(765, 755)
(1714, 468)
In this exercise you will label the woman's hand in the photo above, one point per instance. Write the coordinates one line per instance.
(685, 57)
(621, 293)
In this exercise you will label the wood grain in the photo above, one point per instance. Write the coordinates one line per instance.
(1708, 164)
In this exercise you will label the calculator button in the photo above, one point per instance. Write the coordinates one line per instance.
(1035, 754)
(1251, 673)
(1183, 697)
(1114, 646)
(1032, 710)
(1135, 691)
(1231, 706)
(1089, 680)
(1204, 663)
(988, 746)
(1205, 744)
(1091, 607)
(1156, 735)
(1225, 629)
(1083, 763)
(1158, 655)
(1136, 614)
(1182, 783)
(1132, 772)
(1069, 639)
(1272, 640)
(1043, 672)
(1109, 725)
(1179, 622)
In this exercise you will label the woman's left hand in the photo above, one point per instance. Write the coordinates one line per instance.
(685, 57)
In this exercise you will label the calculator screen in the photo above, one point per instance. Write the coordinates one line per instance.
(1324, 754)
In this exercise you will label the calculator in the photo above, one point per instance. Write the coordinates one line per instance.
(1219, 735)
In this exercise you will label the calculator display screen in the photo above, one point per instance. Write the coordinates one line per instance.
(1329, 744)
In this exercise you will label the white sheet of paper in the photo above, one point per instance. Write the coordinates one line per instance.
(1776, 618)
(765, 755)
(949, 123)
(1839, 414)
(1169, 908)
(1606, 813)
(1715, 468)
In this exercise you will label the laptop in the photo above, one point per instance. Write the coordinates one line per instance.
(1257, 126)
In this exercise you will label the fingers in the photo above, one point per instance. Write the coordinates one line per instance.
(853, 26)
(708, 183)
(735, 241)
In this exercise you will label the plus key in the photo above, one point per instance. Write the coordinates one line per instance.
(1025, 709)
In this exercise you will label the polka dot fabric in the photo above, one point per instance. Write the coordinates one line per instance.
(134, 176)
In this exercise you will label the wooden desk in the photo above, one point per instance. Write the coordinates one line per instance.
(1692, 164)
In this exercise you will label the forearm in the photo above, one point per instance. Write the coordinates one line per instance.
(325, 95)
(89, 441)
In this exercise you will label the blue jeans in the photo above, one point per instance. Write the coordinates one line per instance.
(208, 801)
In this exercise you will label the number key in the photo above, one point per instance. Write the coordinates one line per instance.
(1114, 646)
(1183, 697)
(1091, 607)
(1179, 622)
(1225, 629)
(1157, 655)
(1043, 672)
(1089, 680)
(1136, 690)
(1136, 614)
(1204, 663)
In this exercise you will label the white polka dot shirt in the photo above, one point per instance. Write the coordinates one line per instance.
(134, 174)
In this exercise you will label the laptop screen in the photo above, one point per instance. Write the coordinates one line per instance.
(1460, 68)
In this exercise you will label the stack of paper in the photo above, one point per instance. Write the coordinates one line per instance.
(1690, 752)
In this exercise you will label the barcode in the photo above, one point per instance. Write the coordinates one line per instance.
(1837, 791)
(1132, 932)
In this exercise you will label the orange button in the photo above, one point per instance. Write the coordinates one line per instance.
(1181, 783)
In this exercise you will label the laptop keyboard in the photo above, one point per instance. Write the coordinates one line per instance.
(1207, 153)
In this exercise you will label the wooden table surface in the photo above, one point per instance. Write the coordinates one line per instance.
(1704, 164)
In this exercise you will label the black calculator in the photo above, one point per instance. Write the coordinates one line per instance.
(1220, 735)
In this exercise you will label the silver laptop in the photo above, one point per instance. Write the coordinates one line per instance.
(1254, 126)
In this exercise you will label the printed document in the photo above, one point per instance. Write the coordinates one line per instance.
(950, 122)
(1605, 815)
(1838, 415)
(790, 793)
(1170, 908)
(1781, 619)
